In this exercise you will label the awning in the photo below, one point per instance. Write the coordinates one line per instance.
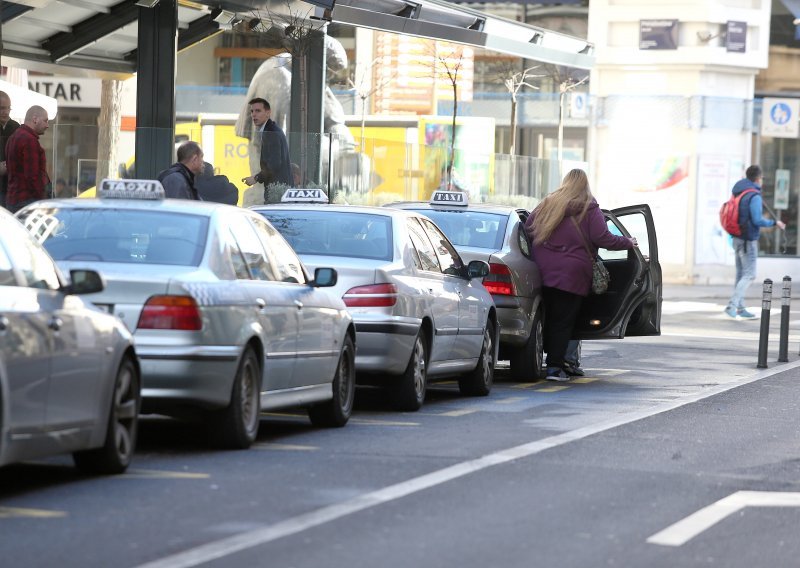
(22, 99)
(436, 19)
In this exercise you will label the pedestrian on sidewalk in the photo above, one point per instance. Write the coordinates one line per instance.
(751, 219)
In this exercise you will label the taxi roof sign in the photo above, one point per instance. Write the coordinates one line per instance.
(441, 197)
(304, 195)
(131, 189)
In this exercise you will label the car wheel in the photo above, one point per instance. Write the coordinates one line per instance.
(478, 382)
(116, 453)
(527, 361)
(236, 426)
(408, 393)
(336, 412)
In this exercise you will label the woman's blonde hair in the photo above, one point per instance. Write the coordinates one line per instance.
(573, 195)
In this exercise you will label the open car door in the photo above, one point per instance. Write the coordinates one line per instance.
(632, 304)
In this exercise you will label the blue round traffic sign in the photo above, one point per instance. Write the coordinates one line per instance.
(780, 113)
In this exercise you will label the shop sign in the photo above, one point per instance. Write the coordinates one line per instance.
(736, 37)
(658, 34)
(779, 118)
(68, 91)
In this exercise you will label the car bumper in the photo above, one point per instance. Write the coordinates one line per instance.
(196, 375)
(384, 346)
(514, 314)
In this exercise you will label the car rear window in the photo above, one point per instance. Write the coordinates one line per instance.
(328, 233)
(470, 228)
(120, 235)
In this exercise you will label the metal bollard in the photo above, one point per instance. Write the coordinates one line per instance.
(763, 338)
(786, 298)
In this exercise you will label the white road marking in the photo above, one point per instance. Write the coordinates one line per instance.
(286, 447)
(160, 474)
(8, 512)
(457, 413)
(231, 545)
(686, 529)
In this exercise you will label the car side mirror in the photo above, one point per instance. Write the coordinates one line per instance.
(85, 282)
(325, 278)
(477, 269)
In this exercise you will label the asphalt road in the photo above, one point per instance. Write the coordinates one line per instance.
(673, 451)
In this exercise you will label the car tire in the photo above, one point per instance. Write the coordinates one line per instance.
(479, 381)
(527, 361)
(336, 412)
(115, 455)
(408, 392)
(236, 426)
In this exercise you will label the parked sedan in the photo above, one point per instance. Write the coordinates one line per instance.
(225, 317)
(630, 307)
(69, 378)
(494, 233)
(420, 311)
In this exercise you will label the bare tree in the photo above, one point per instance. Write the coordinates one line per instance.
(565, 79)
(514, 80)
(448, 61)
(365, 87)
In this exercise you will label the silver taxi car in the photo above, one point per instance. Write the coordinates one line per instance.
(225, 317)
(495, 233)
(69, 378)
(420, 311)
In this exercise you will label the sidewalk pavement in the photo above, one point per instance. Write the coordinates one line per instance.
(718, 294)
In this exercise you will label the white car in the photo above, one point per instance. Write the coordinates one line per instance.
(226, 320)
(69, 377)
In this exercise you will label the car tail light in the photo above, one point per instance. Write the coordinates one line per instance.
(372, 296)
(498, 281)
(171, 312)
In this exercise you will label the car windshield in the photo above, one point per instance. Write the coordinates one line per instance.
(328, 233)
(119, 235)
(470, 228)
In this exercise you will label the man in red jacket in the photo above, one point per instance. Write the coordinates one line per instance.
(27, 167)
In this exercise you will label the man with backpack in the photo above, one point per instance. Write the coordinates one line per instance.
(746, 219)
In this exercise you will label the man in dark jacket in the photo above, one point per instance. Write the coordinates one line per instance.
(274, 161)
(179, 179)
(27, 165)
(7, 128)
(751, 219)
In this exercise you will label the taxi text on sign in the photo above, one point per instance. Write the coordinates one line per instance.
(449, 198)
(779, 118)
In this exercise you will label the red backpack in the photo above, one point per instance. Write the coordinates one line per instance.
(729, 213)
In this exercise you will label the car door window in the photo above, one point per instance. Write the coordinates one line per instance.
(253, 251)
(448, 257)
(36, 266)
(522, 236)
(606, 254)
(427, 255)
(281, 255)
(231, 258)
(636, 225)
(7, 277)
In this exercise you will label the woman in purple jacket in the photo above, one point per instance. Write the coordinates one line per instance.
(565, 265)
